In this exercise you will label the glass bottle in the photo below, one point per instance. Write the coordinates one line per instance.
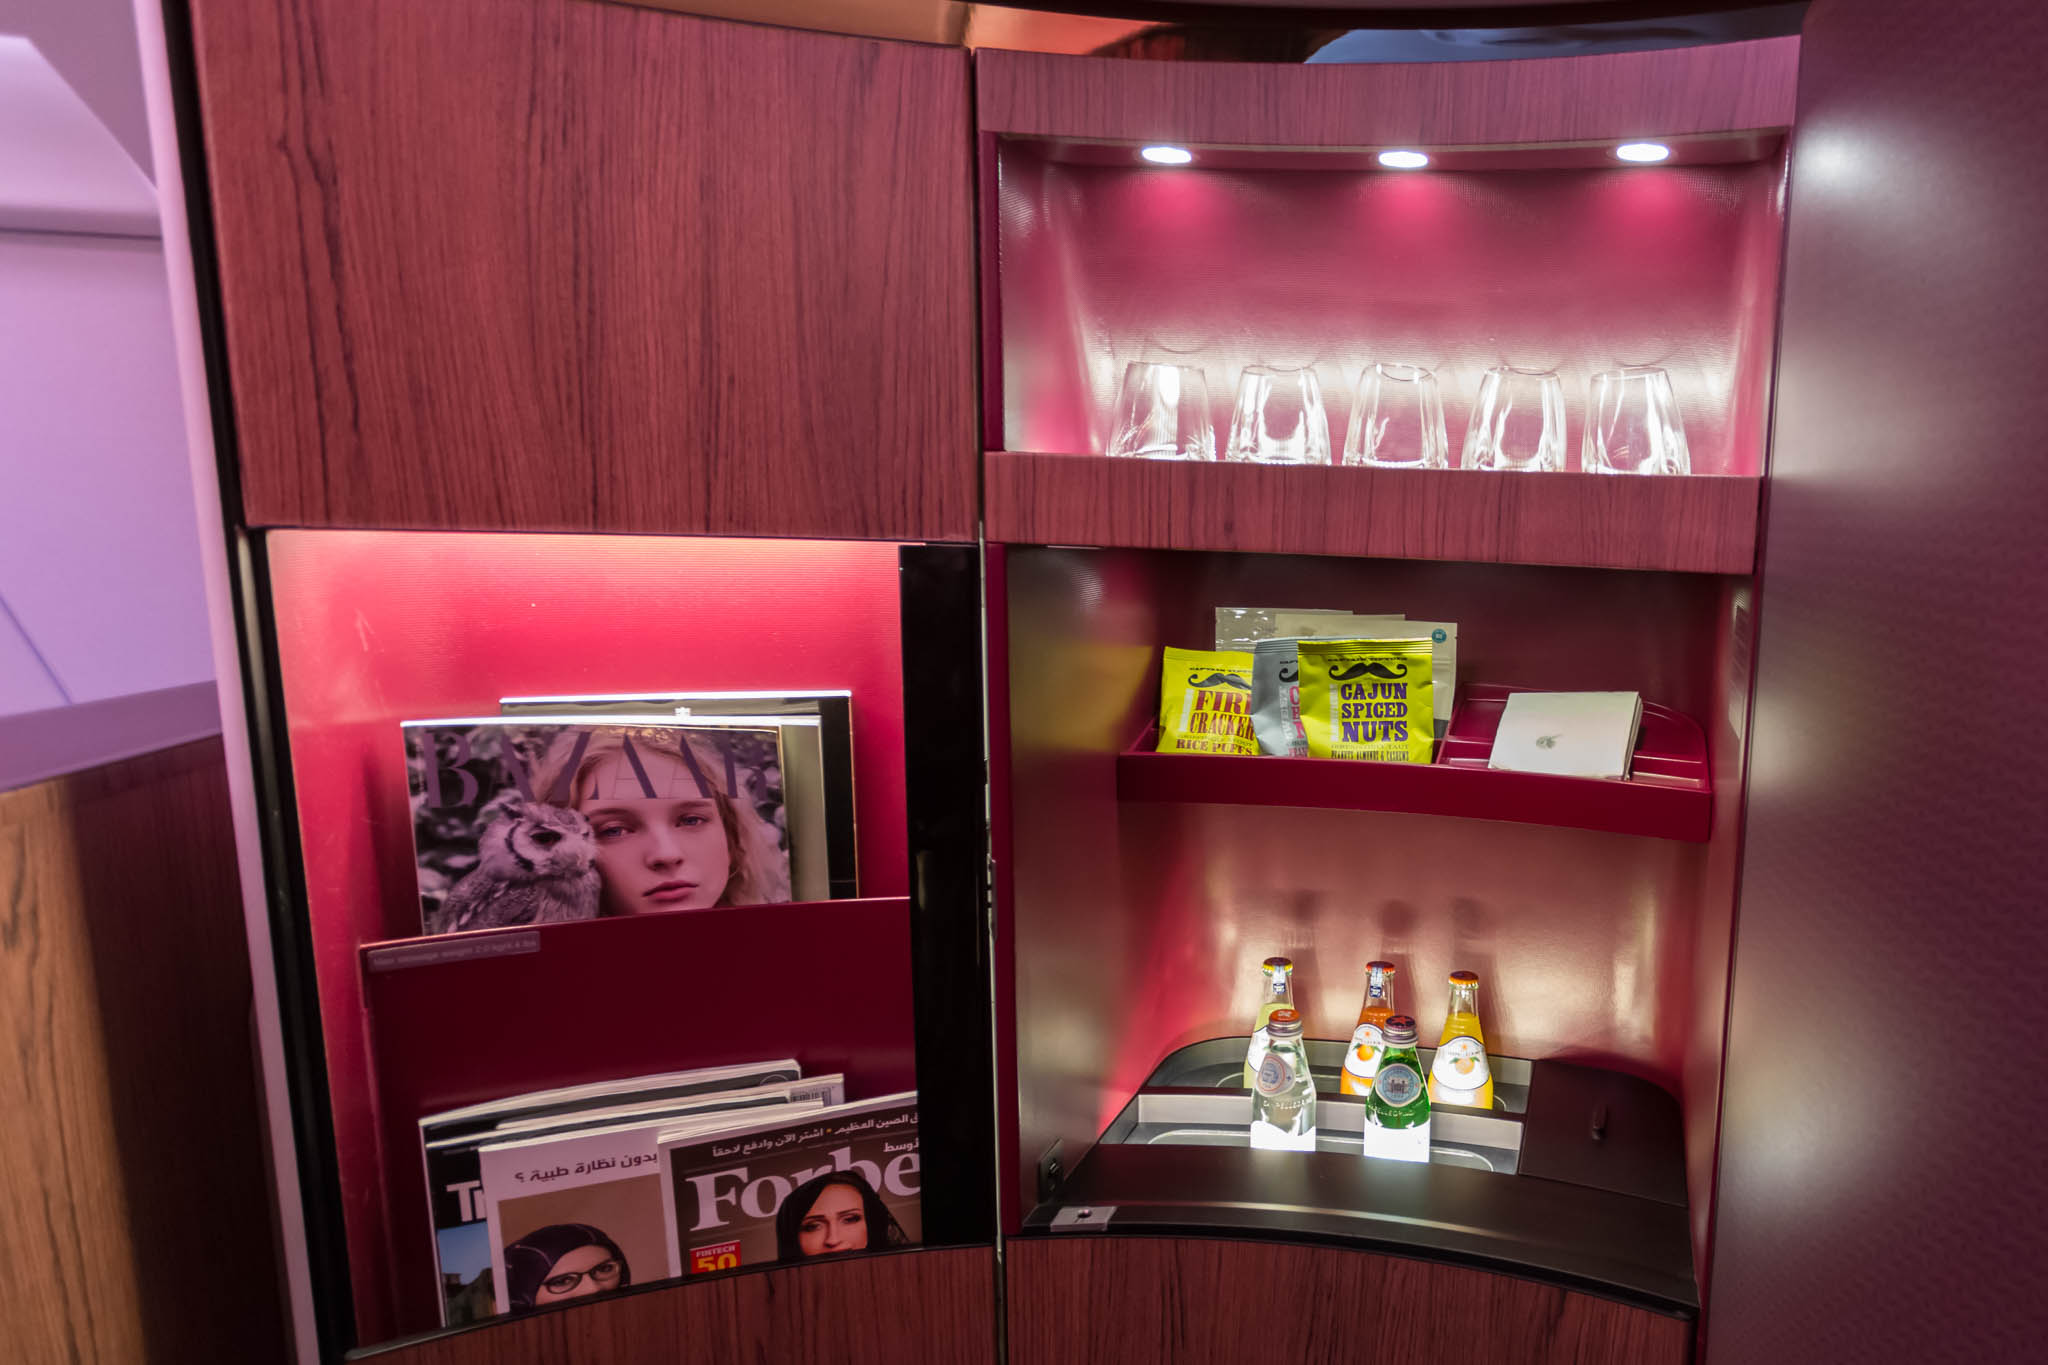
(1279, 996)
(1397, 1110)
(1364, 1057)
(1461, 1073)
(1284, 1098)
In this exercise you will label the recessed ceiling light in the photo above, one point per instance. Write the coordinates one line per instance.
(1167, 156)
(1642, 151)
(1403, 160)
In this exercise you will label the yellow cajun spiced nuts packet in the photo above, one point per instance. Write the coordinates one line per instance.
(1205, 702)
(1367, 699)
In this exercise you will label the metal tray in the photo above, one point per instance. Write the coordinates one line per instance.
(1214, 1118)
(1218, 1064)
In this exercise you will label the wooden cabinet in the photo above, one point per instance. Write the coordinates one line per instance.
(1084, 1298)
(525, 264)
(928, 1307)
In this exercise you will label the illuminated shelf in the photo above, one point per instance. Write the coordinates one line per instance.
(1670, 796)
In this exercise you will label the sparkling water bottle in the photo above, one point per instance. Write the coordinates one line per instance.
(1284, 1097)
(1278, 995)
(1397, 1110)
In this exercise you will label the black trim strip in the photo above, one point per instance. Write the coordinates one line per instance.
(945, 799)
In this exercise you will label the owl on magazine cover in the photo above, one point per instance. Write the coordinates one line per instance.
(536, 864)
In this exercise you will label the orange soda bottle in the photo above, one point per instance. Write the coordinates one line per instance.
(1363, 1060)
(1461, 1074)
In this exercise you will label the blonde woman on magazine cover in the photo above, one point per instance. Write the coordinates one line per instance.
(693, 845)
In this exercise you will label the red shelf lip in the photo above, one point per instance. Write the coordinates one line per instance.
(442, 950)
(1671, 796)
(1699, 523)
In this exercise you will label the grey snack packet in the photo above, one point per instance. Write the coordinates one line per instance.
(1276, 698)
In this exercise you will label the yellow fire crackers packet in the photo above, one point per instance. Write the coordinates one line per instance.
(1205, 702)
(1367, 699)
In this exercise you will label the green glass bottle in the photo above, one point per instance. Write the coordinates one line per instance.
(1279, 995)
(1397, 1110)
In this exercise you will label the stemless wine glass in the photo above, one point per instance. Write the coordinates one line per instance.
(1279, 417)
(1398, 420)
(1518, 422)
(1162, 413)
(1632, 424)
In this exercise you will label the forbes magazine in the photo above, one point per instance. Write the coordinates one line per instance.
(842, 1181)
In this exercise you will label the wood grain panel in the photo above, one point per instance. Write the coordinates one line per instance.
(132, 1200)
(1670, 93)
(557, 265)
(1700, 524)
(929, 1307)
(1080, 1299)
(1885, 859)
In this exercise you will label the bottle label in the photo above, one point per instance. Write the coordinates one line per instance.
(1396, 1144)
(1397, 1084)
(1261, 1044)
(1460, 1069)
(1364, 1058)
(1275, 1075)
(1266, 1137)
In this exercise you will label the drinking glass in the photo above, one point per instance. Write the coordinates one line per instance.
(1632, 424)
(1279, 417)
(1162, 413)
(1518, 422)
(1398, 420)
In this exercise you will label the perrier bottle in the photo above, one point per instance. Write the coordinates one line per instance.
(1278, 995)
(1397, 1110)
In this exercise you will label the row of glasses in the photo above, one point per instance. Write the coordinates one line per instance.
(1517, 422)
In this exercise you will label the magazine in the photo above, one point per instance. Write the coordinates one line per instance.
(541, 819)
(449, 1143)
(838, 1182)
(580, 1213)
(816, 778)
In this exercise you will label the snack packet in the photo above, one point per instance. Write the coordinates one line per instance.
(1205, 702)
(1367, 699)
(1443, 665)
(1276, 699)
(1243, 627)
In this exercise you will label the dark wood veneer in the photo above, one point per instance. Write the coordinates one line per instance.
(1700, 524)
(931, 1307)
(548, 265)
(1670, 93)
(1084, 1298)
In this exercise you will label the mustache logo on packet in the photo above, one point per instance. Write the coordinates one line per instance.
(1367, 699)
(1205, 702)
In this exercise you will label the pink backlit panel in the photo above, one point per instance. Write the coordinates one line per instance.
(1573, 270)
(378, 627)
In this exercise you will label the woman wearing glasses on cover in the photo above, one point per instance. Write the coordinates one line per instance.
(560, 1262)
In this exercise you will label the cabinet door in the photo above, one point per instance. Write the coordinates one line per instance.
(550, 264)
(1090, 1299)
(1891, 899)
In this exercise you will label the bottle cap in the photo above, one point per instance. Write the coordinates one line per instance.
(1387, 968)
(1399, 1028)
(1284, 1023)
(1279, 964)
(1464, 978)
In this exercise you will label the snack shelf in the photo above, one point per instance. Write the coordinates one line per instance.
(1670, 796)
(1700, 523)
